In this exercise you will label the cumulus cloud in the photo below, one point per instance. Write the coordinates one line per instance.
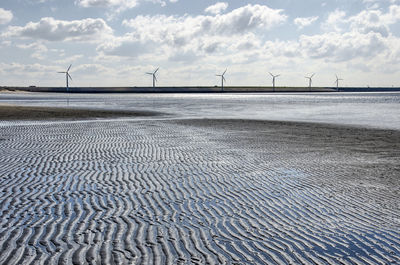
(51, 29)
(369, 21)
(217, 8)
(302, 22)
(335, 21)
(180, 30)
(195, 36)
(5, 16)
(364, 22)
(365, 36)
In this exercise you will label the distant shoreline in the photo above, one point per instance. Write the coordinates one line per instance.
(196, 89)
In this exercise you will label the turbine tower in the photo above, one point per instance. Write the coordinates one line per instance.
(153, 74)
(310, 80)
(337, 82)
(67, 76)
(273, 80)
(222, 79)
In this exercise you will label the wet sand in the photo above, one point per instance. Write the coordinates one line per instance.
(15, 112)
(199, 192)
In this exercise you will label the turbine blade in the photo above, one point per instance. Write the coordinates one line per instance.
(69, 67)
(69, 76)
(312, 75)
(223, 78)
(271, 74)
(225, 71)
(149, 73)
(156, 70)
(61, 72)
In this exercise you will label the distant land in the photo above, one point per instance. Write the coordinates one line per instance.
(196, 89)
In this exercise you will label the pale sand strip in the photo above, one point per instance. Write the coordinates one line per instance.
(198, 191)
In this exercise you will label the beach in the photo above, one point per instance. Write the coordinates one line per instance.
(157, 190)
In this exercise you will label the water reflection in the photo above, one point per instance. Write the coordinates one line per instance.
(380, 110)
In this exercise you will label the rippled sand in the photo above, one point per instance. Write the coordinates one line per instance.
(198, 192)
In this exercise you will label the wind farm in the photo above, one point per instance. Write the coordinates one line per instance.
(222, 88)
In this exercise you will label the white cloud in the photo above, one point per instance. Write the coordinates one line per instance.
(302, 22)
(191, 37)
(23, 69)
(369, 21)
(217, 8)
(125, 46)
(334, 46)
(366, 21)
(119, 4)
(90, 69)
(39, 49)
(60, 30)
(5, 16)
(335, 21)
(362, 39)
(181, 30)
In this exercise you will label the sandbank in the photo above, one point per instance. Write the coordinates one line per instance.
(14, 112)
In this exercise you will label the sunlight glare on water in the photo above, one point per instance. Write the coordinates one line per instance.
(378, 110)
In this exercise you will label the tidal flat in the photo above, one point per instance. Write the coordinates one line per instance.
(186, 190)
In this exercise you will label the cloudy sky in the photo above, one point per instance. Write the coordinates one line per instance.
(114, 42)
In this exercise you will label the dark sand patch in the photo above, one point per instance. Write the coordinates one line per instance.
(355, 157)
(12, 112)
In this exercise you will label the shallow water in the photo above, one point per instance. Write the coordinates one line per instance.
(378, 110)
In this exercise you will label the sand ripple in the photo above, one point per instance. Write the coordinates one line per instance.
(159, 192)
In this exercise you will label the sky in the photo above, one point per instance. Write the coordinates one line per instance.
(115, 42)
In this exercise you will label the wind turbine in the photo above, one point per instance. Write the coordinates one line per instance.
(222, 79)
(67, 76)
(337, 82)
(273, 80)
(153, 74)
(310, 80)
